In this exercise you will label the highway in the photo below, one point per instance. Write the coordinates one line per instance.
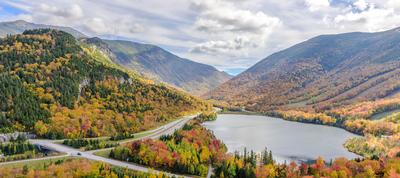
(153, 134)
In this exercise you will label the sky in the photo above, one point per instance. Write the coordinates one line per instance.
(231, 35)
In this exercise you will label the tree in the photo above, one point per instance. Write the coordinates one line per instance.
(40, 128)
(205, 154)
(25, 169)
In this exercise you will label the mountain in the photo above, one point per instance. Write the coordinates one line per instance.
(158, 64)
(322, 73)
(19, 26)
(51, 86)
(147, 60)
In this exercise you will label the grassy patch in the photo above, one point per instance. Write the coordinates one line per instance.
(141, 135)
(104, 153)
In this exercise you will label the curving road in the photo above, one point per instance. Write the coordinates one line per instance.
(156, 133)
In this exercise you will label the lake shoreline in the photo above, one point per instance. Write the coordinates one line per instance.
(250, 113)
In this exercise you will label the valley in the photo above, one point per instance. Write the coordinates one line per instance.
(326, 107)
(342, 80)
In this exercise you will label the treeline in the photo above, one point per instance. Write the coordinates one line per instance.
(79, 168)
(249, 165)
(121, 136)
(50, 86)
(89, 144)
(362, 126)
(23, 156)
(243, 164)
(188, 151)
(307, 117)
(18, 149)
(239, 166)
(14, 148)
(381, 137)
(366, 109)
(207, 116)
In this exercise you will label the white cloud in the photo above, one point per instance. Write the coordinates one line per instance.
(361, 4)
(315, 5)
(222, 16)
(371, 19)
(73, 11)
(230, 28)
(218, 47)
(395, 4)
(223, 33)
(97, 25)
(100, 25)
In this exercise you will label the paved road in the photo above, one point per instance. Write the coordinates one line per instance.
(156, 133)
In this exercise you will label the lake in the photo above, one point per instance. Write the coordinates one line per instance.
(290, 141)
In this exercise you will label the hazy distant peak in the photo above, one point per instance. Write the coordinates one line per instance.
(19, 22)
(19, 26)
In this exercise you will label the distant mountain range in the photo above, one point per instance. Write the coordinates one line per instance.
(148, 60)
(324, 72)
(19, 26)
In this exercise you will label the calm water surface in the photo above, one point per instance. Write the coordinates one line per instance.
(290, 141)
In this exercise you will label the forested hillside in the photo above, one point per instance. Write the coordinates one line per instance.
(347, 80)
(146, 60)
(160, 65)
(49, 85)
(321, 73)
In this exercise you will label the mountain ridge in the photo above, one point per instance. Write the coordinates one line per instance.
(19, 26)
(160, 65)
(322, 72)
(55, 89)
(148, 60)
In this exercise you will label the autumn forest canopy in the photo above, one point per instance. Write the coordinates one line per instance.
(51, 87)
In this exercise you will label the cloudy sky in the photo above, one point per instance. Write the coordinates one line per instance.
(231, 35)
